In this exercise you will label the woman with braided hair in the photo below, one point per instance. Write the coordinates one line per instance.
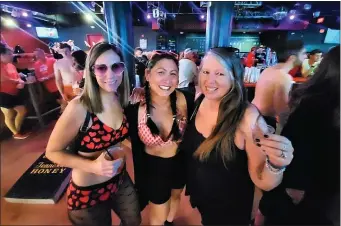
(156, 126)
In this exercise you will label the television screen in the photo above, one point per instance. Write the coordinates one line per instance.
(332, 36)
(47, 32)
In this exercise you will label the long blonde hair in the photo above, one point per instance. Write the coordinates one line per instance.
(91, 95)
(231, 109)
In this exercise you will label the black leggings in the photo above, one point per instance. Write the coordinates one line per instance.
(124, 203)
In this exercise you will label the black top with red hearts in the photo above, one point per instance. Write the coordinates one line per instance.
(100, 136)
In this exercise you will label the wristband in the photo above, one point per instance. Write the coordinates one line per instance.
(273, 169)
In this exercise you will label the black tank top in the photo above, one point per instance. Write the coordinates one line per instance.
(223, 195)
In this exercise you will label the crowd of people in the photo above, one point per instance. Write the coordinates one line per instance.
(190, 127)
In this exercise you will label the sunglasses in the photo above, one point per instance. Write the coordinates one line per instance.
(101, 69)
(159, 52)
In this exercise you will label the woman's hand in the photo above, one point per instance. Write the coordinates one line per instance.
(104, 167)
(137, 95)
(295, 195)
(277, 148)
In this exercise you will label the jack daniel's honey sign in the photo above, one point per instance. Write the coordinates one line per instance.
(46, 167)
(43, 183)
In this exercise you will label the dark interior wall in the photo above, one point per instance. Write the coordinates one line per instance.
(148, 34)
(312, 38)
(78, 34)
(273, 38)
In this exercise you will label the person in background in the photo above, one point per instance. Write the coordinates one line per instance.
(54, 47)
(273, 88)
(187, 69)
(274, 84)
(251, 58)
(10, 103)
(310, 64)
(140, 65)
(73, 46)
(44, 72)
(310, 191)
(65, 75)
(96, 123)
(227, 145)
(260, 55)
(78, 59)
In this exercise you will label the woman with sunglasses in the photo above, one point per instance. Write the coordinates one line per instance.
(156, 127)
(95, 122)
(226, 159)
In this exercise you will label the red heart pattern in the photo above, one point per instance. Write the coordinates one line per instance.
(106, 138)
(95, 127)
(107, 128)
(86, 139)
(96, 140)
(102, 136)
(82, 199)
(92, 134)
(90, 145)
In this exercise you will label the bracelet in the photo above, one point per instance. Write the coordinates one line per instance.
(272, 168)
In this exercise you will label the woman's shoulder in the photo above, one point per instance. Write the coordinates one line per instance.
(74, 114)
(249, 118)
(75, 108)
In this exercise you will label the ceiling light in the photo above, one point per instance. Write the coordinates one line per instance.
(28, 25)
(320, 20)
(92, 27)
(292, 33)
(88, 17)
(292, 17)
(181, 32)
(149, 16)
(25, 14)
(321, 31)
(307, 6)
(316, 14)
(8, 22)
(202, 16)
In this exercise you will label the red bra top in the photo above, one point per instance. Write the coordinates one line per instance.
(100, 136)
(151, 140)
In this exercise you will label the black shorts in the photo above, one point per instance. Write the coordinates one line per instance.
(10, 101)
(163, 175)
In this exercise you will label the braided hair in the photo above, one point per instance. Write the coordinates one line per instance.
(150, 123)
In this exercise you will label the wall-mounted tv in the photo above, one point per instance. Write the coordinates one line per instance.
(47, 32)
(332, 37)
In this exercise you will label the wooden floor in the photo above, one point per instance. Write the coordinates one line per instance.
(18, 155)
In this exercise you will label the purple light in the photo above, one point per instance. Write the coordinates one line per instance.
(148, 16)
(202, 16)
(292, 17)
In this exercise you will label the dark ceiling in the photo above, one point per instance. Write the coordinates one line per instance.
(68, 14)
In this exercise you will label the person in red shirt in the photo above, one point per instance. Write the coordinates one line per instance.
(44, 72)
(10, 103)
(251, 58)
